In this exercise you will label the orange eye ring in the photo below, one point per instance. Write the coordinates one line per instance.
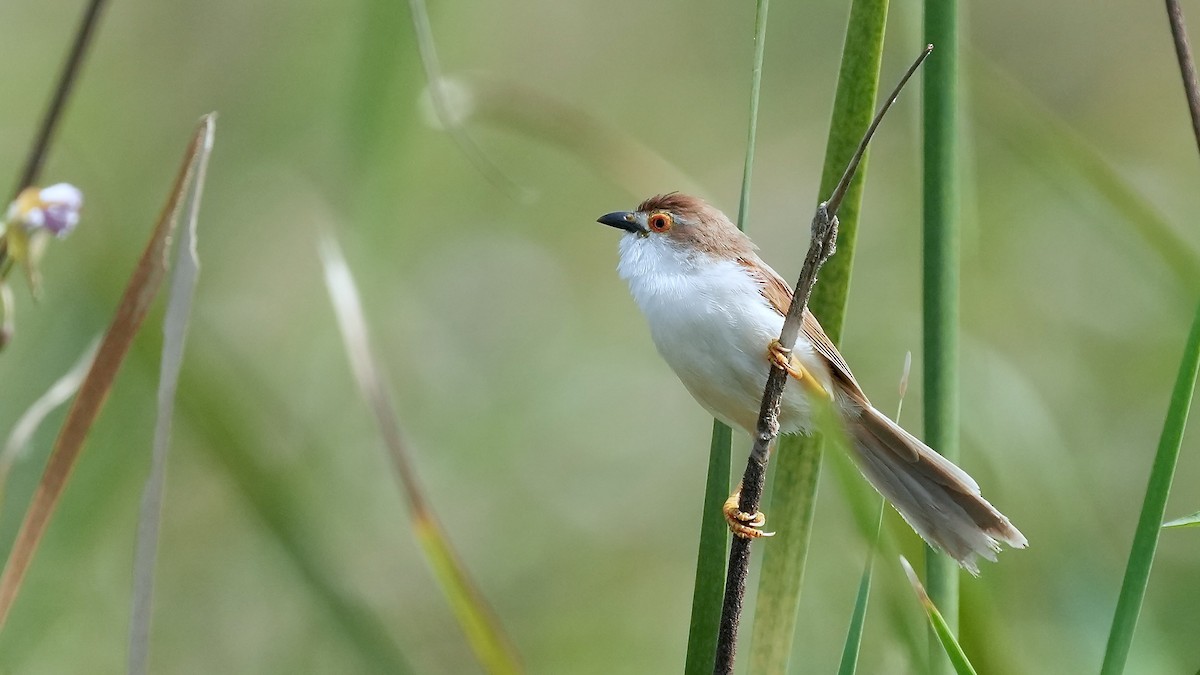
(660, 222)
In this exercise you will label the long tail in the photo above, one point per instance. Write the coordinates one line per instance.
(938, 499)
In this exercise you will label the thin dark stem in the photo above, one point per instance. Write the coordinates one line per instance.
(821, 247)
(1187, 67)
(66, 80)
(37, 153)
(839, 192)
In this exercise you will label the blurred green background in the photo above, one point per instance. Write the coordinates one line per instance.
(561, 454)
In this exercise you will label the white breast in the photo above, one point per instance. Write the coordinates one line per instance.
(712, 326)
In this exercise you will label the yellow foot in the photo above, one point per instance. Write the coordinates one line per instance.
(744, 525)
(783, 358)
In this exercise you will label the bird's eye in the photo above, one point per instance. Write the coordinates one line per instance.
(660, 222)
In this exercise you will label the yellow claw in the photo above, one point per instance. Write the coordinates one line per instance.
(782, 357)
(741, 524)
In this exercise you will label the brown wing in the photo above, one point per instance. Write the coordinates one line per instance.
(779, 294)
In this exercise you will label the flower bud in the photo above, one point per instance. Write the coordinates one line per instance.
(54, 209)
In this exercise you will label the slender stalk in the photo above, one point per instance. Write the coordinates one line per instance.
(850, 650)
(1145, 539)
(442, 108)
(710, 560)
(941, 269)
(1187, 67)
(66, 79)
(821, 247)
(760, 44)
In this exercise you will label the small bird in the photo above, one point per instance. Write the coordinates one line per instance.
(715, 311)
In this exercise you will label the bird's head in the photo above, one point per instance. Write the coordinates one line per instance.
(681, 223)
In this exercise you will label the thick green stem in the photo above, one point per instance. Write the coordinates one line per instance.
(941, 271)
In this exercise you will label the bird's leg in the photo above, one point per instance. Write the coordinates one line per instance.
(780, 356)
(744, 525)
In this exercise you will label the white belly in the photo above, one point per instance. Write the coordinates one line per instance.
(713, 327)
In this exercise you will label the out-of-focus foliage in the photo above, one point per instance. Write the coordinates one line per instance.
(565, 459)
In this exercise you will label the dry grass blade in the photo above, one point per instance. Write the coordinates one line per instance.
(487, 638)
(135, 303)
(175, 326)
(59, 393)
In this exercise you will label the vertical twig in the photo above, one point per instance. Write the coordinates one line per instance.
(824, 234)
(940, 270)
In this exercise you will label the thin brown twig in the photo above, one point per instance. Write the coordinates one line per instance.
(821, 247)
(1187, 67)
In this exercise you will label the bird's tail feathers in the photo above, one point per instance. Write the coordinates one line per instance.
(938, 499)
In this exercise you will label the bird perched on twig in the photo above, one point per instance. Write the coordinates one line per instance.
(715, 311)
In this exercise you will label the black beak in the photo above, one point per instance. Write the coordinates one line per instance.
(624, 220)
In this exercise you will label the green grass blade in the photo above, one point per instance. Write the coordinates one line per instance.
(940, 275)
(937, 623)
(1186, 521)
(709, 589)
(850, 651)
(760, 43)
(799, 459)
(1145, 539)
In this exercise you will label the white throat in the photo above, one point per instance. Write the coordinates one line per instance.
(709, 321)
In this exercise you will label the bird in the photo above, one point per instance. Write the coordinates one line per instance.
(715, 311)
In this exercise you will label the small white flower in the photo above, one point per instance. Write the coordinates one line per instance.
(54, 209)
